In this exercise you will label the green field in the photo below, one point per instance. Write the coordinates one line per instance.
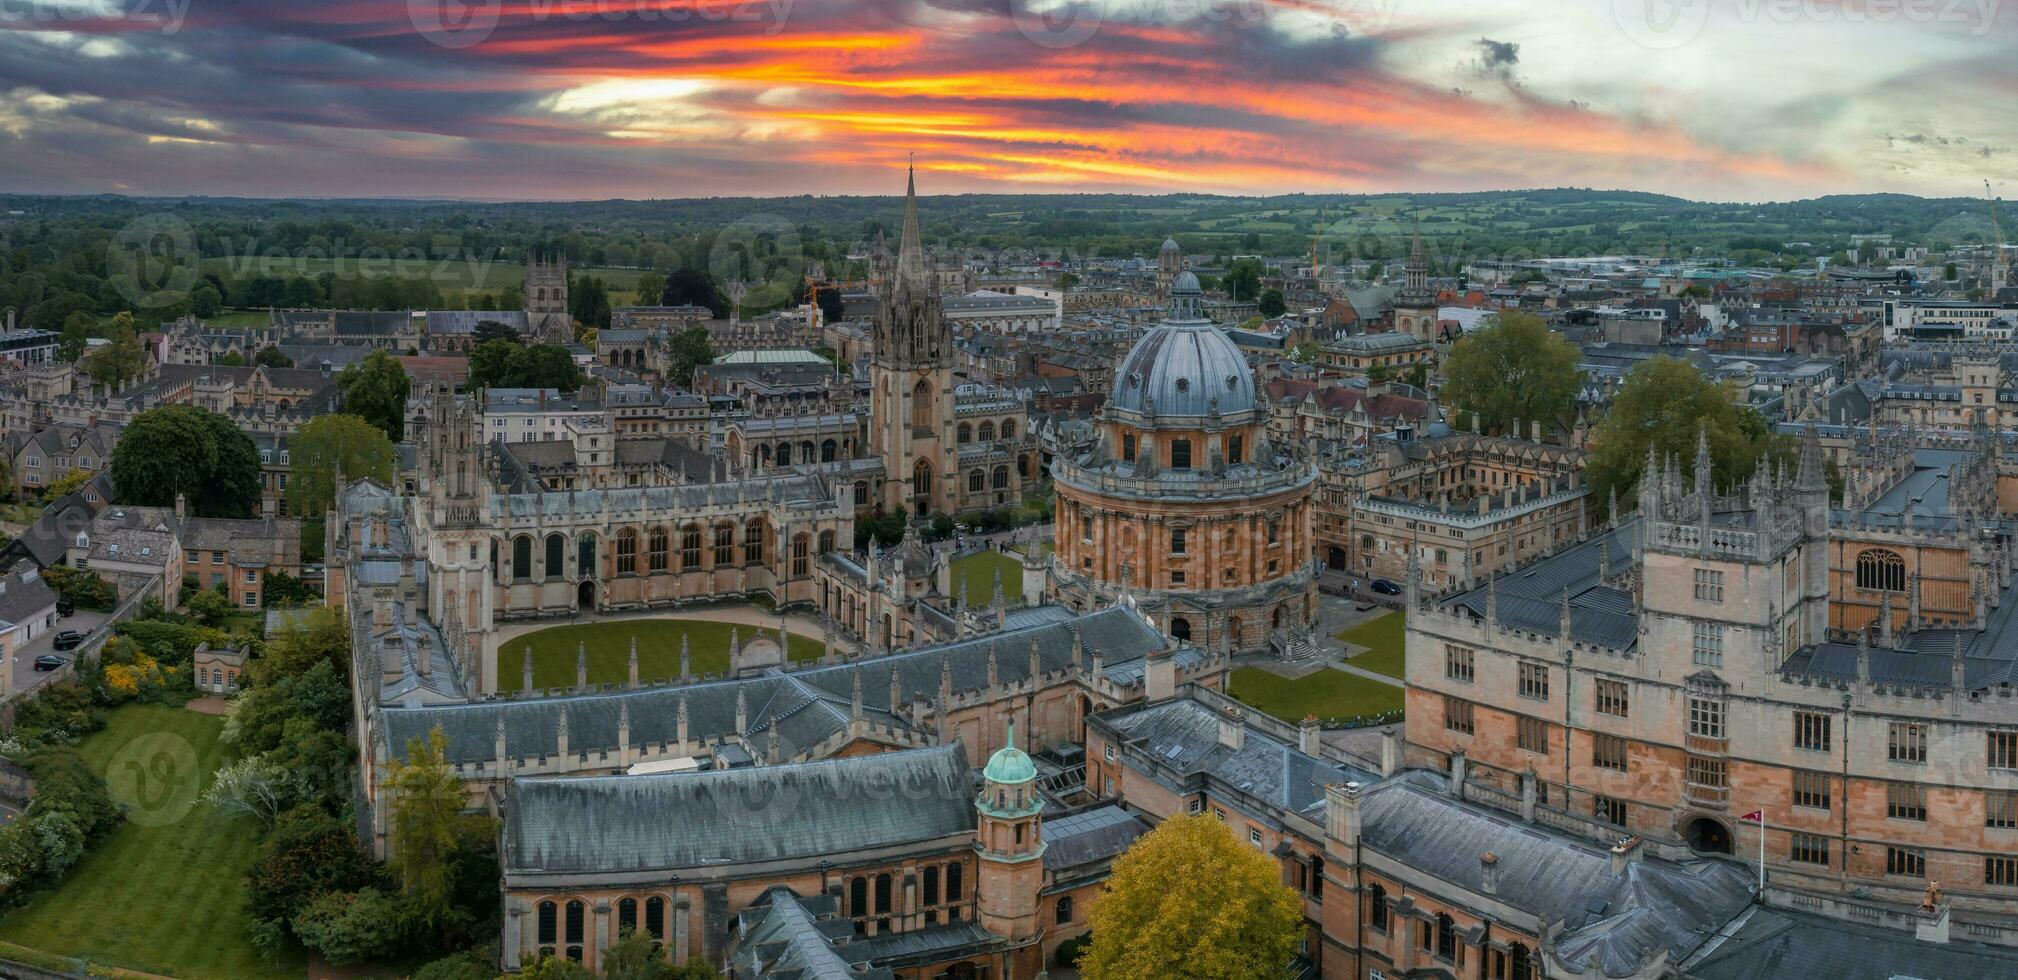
(609, 650)
(977, 573)
(1385, 638)
(1326, 693)
(165, 892)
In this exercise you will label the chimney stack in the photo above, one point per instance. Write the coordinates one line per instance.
(1232, 728)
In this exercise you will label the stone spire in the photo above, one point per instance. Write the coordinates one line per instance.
(561, 731)
(742, 712)
(500, 752)
(1036, 663)
(993, 678)
(911, 247)
(1492, 600)
(1703, 460)
(1563, 624)
(896, 690)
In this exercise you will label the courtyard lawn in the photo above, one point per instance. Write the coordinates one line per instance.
(609, 649)
(1328, 694)
(1385, 637)
(161, 897)
(977, 571)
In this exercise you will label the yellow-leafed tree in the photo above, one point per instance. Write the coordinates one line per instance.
(1188, 900)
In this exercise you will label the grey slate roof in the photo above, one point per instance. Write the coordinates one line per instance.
(1620, 920)
(658, 823)
(781, 937)
(1780, 943)
(1184, 735)
(1089, 836)
(1531, 597)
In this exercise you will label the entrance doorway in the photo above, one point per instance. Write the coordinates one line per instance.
(585, 595)
(1706, 836)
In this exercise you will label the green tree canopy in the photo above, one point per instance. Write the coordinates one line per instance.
(329, 444)
(121, 360)
(271, 357)
(489, 330)
(375, 390)
(427, 799)
(1187, 900)
(1243, 279)
(689, 349)
(1667, 403)
(503, 364)
(693, 287)
(1271, 303)
(1513, 369)
(182, 449)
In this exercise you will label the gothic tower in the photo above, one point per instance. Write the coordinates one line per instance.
(911, 379)
(546, 299)
(1415, 303)
(1169, 262)
(1009, 840)
(460, 551)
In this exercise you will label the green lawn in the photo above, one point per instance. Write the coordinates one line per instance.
(609, 648)
(1326, 693)
(978, 572)
(165, 891)
(1385, 637)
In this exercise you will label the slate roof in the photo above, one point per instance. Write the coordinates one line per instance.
(1183, 735)
(1618, 919)
(1530, 597)
(1781, 943)
(735, 816)
(23, 596)
(786, 937)
(1089, 836)
(1925, 659)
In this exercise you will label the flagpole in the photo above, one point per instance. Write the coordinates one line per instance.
(1762, 854)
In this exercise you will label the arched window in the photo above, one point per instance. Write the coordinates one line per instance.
(627, 915)
(549, 927)
(1000, 478)
(862, 493)
(522, 559)
(690, 547)
(1446, 936)
(976, 482)
(725, 544)
(658, 549)
(1008, 429)
(574, 933)
(1180, 454)
(921, 479)
(655, 919)
(1880, 570)
(1520, 966)
(806, 451)
(922, 406)
(963, 433)
(783, 456)
(585, 555)
(883, 893)
(1064, 909)
(953, 882)
(1180, 629)
(1376, 907)
(986, 433)
(627, 551)
(858, 896)
(753, 542)
(827, 451)
(826, 541)
(931, 884)
(557, 549)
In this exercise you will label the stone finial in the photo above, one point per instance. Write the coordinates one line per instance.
(855, 702)
(993, 678)
(682, 722)
(1036, 663)
(742, 712)
(528, 682)
(686, 661)
(896, 690)
(581, 664)
(634, 660)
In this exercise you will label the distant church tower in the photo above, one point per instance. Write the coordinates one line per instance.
(911, 379)
(1169, 262)
(1009, 841)
(546, 300)
(1415, 305)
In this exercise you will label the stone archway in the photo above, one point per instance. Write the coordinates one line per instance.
(1335, 558)
(1708, 836)
(585, 596)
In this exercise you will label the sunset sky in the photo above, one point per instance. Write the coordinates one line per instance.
(546, 99)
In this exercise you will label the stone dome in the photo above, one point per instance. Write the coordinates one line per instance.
(1170, 245)
(1184, 366)
(1010, 765)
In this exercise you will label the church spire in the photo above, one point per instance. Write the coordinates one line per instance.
(911, 248)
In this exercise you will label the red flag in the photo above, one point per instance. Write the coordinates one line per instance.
(1756, 816)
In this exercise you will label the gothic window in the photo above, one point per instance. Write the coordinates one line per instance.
(827, 451)
(862, 494)
(976, 482)
(522, 559)
(627, 915)
(921, 406)
(557, 546)
(1880, 570)
(1008, 429)
(883, 893)
(965, 434)
(658, 549)
(858, 896)
(987, 432)
(549, 924)
(1446, 937)
(725, 544)
(690, 547)
(826, 541)
(921, 479)
(753, 542)
(806, 451)
(655, 919)
(1180, 454)
(627, 551)
(1000, 478)
(784, 454)
(801, 560)
(585, 555)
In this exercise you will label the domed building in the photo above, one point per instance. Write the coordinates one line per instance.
(1182, 502)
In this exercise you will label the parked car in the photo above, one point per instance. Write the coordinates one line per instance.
(67, 640)
(1385, 587)
(65, 608)
(50, 661)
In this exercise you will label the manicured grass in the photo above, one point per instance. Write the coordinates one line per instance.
(1385, 637)
(978, 572)
(609, 649)
(163, 893)
(1326, 693)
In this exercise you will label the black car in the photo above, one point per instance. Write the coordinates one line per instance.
(49, 661)
(67, 640)
(1385, 587)
(65, 608)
